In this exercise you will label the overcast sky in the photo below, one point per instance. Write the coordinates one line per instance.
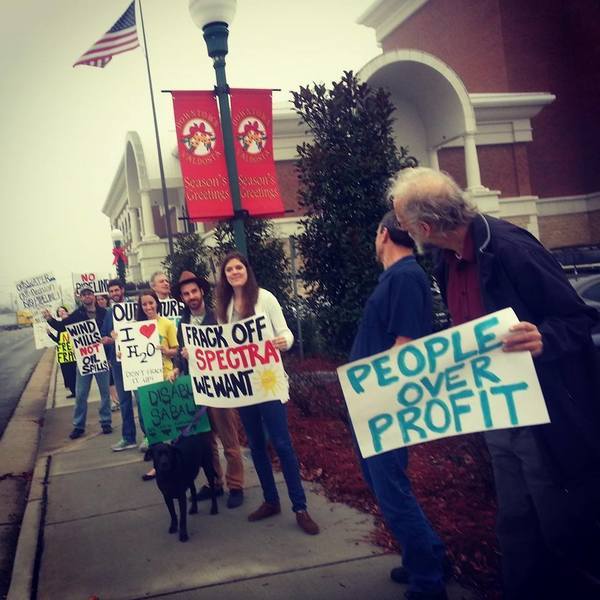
(63, 128)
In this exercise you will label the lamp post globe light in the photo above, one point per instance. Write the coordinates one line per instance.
(120, 260)
(213, 17)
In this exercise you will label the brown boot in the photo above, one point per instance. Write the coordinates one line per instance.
(306, 523)
(265, 510)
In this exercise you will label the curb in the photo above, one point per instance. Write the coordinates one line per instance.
(31, 409)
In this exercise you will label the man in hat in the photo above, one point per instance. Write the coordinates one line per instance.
(191, 290)
(86, 311)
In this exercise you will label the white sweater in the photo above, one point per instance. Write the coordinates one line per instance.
(267, 305)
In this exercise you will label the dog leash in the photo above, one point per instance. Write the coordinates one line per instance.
(186, 431)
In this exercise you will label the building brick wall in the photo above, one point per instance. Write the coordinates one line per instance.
(466, 34)
(288, 186)
(565, 230)
(518, 221)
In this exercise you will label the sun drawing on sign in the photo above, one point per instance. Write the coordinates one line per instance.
(268, 381)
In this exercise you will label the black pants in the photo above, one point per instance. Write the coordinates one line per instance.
(540, 525)
(68, 372)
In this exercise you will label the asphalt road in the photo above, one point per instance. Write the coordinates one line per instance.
(18, 358)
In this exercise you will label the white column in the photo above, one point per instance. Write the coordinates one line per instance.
(433, 159)
(472, 164)
(135, 226)
(147, 219)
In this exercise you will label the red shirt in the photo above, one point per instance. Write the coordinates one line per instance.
(463, 292)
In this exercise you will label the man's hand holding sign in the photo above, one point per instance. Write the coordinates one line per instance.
(475, 377)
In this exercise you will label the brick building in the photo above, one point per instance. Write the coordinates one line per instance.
(503, 94)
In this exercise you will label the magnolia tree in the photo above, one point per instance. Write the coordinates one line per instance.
(344, 174)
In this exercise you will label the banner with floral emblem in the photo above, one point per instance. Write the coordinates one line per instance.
(252, 120)
(201, 155)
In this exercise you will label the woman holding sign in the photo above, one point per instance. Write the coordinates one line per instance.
(64, 353)
(147, 310)
(239, 297)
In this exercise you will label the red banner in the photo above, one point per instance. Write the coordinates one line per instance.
(252, 120)
(201, 155)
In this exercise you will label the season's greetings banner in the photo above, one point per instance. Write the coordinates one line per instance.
(235, 364)
(168, 408)
(97, 283)
(452, 382)
(141, 358)
(201, 155)
(87, 344)
(252, 121)
(34, 294)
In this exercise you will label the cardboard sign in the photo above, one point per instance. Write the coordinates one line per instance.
(87, 344)
(235, 364)
(452, 382)
(168, 408)
(97, 283)
(141, 358)
(64, 349)
(35, 294)
(123, 314)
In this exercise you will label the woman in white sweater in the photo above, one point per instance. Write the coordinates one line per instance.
(239, 297)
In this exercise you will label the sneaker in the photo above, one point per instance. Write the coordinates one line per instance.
(106, 428)
(123, 445)
(265, 510)
(76, 433)
(204, 493)
(144, 445)
(114, 407)
(235, 499)
(306, 523)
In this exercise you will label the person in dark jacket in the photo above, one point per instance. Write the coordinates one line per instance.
(68, 369)
(547, 477)
(191, 291)
(88, 310)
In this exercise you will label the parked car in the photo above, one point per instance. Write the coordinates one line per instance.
(588, 287)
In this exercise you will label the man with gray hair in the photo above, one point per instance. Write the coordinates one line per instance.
(400, 310)
(547, 477)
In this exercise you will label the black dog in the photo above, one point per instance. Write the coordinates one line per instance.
(177, 466)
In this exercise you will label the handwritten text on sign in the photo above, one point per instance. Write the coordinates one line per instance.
(235, 364)
(452, 382)
(64, 349)
(168, 408)
(123, 313)
(141, 358)
(88, 347)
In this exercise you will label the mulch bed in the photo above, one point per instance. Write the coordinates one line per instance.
(451, 478)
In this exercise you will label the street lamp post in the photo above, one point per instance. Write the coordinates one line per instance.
(213, 17)
(119, 260)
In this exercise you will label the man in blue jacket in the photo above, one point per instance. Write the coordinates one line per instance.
(398, 311)
(547, 477)
(86, 311)
(116, 291)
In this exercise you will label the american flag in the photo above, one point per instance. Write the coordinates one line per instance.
(121, 37)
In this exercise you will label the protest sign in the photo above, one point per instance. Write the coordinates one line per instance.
(34, 294)
(141, 358)
(168, 408)
(64, 349)
(452, 382)
(97, 283)
(235, 364)
(171, 309)
(88, 347)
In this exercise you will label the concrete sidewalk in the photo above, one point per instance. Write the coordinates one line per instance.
(102, 532)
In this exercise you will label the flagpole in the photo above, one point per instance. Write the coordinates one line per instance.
(160, 162)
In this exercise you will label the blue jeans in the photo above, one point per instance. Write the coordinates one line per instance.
(82, 391)
(422, 550)
(125, 402)
(274, 416)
